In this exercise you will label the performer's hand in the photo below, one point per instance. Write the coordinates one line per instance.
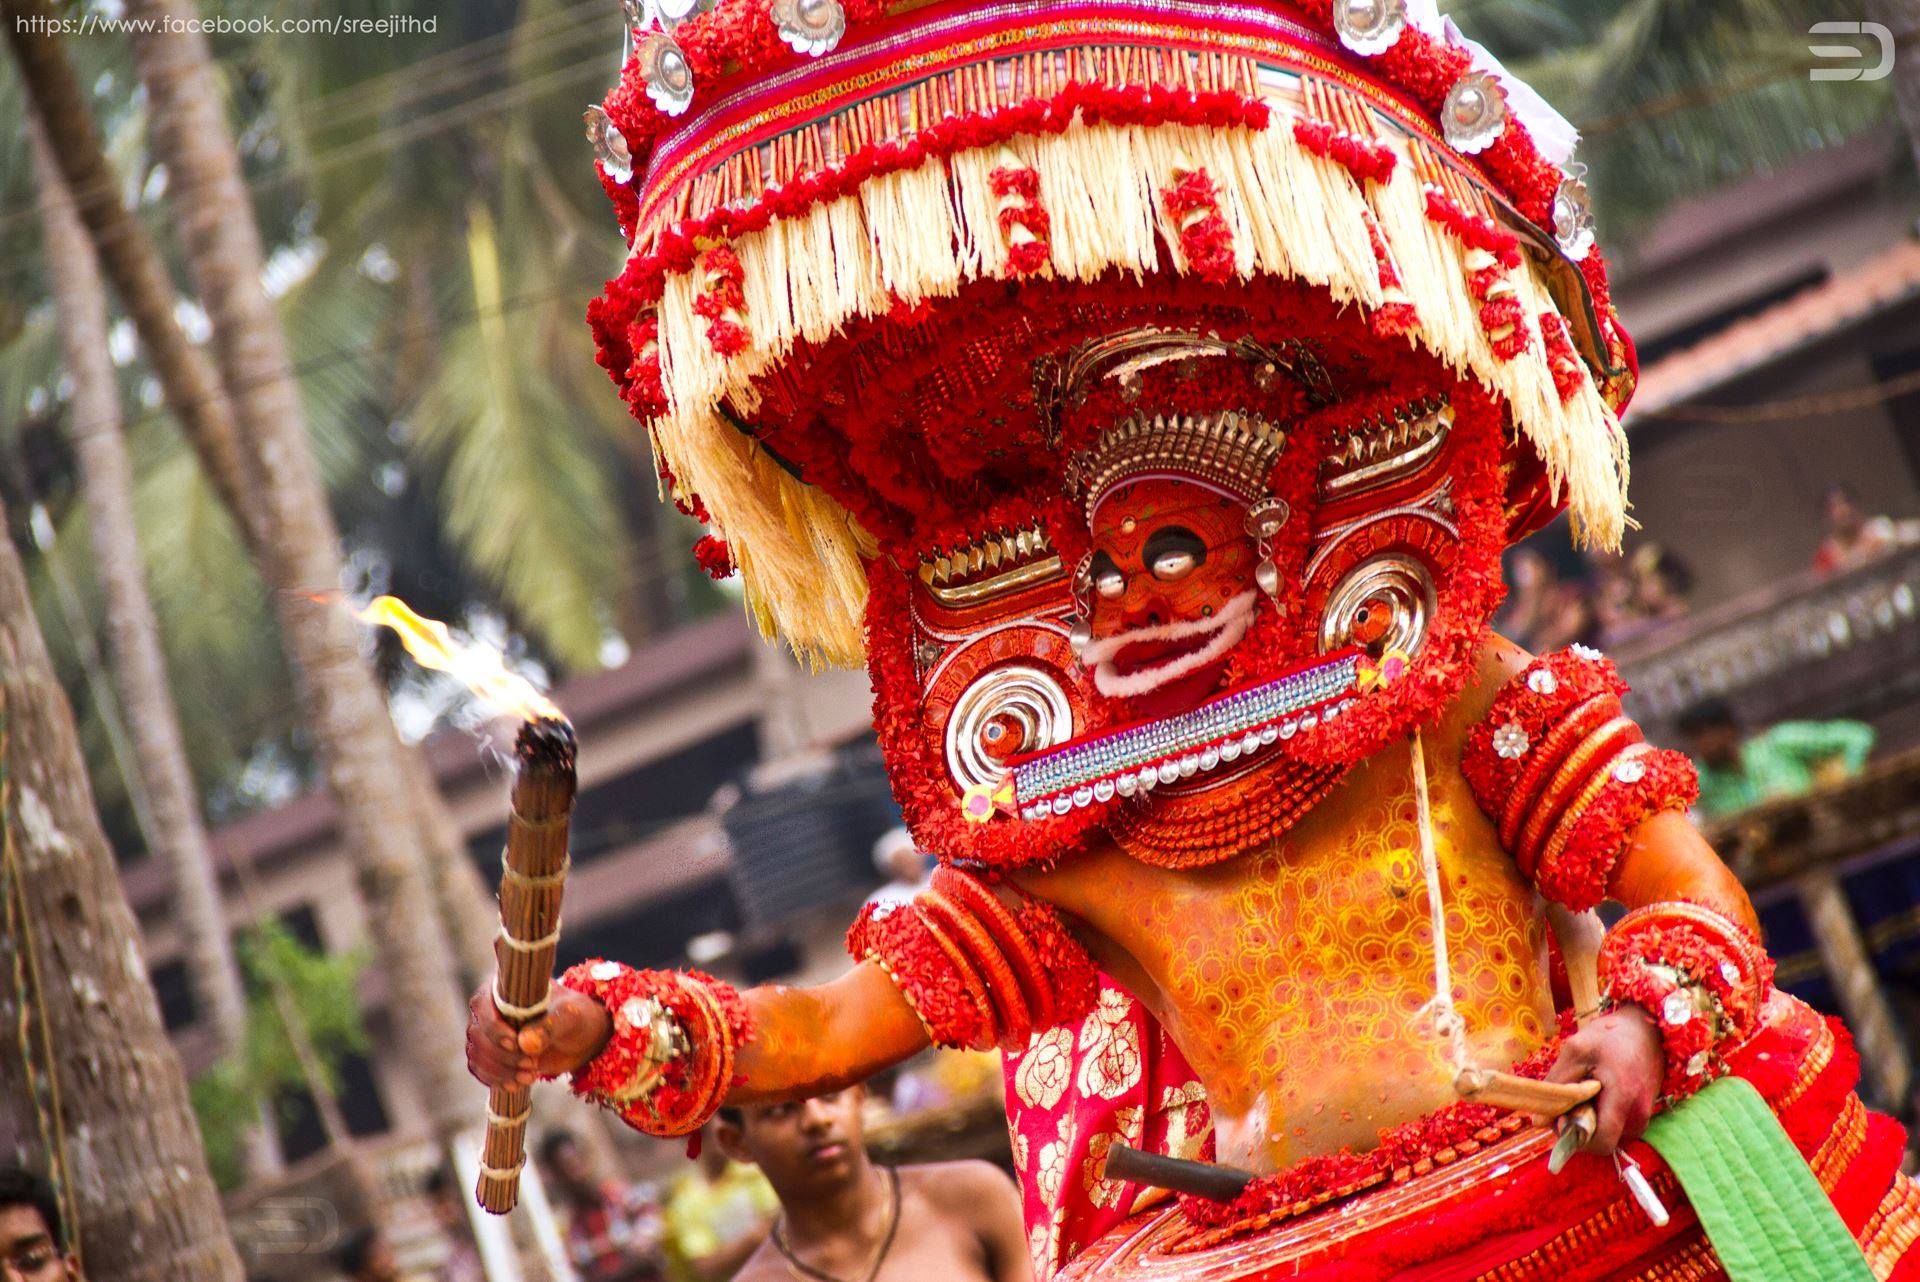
(1620, 1050)
(573, 1031)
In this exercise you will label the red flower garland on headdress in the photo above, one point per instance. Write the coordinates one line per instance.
(1366, 159)
(714, 556)
(1206, 242)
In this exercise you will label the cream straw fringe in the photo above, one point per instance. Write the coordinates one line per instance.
(923, 233)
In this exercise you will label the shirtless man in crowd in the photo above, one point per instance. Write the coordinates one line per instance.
(844, 1219)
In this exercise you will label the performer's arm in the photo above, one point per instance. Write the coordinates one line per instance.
(1667, 859)
(959, 966)
(808, 1041)
(804, 1041)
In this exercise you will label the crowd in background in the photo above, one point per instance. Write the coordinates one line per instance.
(1557, 596)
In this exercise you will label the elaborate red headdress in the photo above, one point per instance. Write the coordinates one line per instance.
(895, 266)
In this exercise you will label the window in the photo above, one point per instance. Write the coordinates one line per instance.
(174, 988)
(632, 807)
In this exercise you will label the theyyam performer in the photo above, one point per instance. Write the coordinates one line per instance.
(1145, 390)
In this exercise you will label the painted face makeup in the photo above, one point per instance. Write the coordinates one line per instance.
(1171, 589)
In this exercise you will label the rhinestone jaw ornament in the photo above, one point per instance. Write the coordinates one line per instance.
(812, 27)
(1474, 114)
(1140, 758)
(1369, 27)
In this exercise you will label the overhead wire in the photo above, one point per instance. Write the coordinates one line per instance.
(1792, 408)
(363, 99)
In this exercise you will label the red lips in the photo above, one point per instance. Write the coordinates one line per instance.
(1142, 655)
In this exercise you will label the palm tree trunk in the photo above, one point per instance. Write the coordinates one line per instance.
(126, 252)
(116, 1125)
(299, 551)
(138, 668)
(466, 905)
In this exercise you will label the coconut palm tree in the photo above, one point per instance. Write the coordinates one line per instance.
(171, 810)
(298, 545)
(100, 1065)
(1675, 97)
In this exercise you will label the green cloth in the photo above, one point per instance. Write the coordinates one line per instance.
(1781, 762)
(1764, 1212)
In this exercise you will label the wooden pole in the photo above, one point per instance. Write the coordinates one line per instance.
(533, 875)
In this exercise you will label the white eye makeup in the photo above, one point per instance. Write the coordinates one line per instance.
(1107, 579)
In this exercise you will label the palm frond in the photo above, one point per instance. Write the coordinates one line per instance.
(525, 495)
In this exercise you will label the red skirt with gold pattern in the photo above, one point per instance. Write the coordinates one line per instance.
(1497, 1215)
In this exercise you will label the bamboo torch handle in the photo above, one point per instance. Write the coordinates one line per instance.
(533, 875)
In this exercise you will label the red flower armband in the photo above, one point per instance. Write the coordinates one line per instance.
(1567, 777)
(669, 1063)
(1702, 979)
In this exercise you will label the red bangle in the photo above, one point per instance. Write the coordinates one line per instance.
(1578, 866)
(1539, 766)
(1068, 968)
(927, 969)
(1567, 776)
(1000, 923)
(1499, 749)
(669, 1063)
(1012, 1021)
(1572, 785)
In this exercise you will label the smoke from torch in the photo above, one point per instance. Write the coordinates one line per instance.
(533, 871)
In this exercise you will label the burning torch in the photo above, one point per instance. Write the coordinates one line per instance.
(533, 870)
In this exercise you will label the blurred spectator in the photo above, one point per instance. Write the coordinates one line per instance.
(450, 1211)
(716, 1215)
(842, 1217)
(1547, 609)
(1637, 593)
(1787, 760)
(32, 1246)
(1532, 587)
(367, 1257)
(615, 1232)
(943, 1078)
(901, 863)
(1853, 537)
(1662, 582)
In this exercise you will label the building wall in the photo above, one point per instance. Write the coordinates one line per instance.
(1745, 501)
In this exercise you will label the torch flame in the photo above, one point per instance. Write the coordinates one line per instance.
(481, 668)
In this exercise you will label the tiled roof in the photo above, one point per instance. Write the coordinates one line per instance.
(1815, 313)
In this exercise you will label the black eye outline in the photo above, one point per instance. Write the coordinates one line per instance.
(1173, 541)
(1105, 577)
